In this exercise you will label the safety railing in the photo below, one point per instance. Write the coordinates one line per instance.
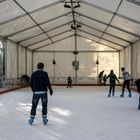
(12, 82)
(78, 80)
(55, 80)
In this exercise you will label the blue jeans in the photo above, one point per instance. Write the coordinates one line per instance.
(112, 89)
(126, 83)
(35, 100)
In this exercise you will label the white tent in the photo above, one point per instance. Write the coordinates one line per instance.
(79, 32)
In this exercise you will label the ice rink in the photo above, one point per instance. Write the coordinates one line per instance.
(78, 113)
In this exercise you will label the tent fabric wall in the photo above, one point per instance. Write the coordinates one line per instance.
(87, 65)
(46, 58)
(59, 71)
(29, 62)
(64, 66)
(109, 61)
(11, 60)
(125, 59)
(21, 61)
(16, 61)
(121, 59)
(135, 60)
(97, 30)
(24, 64)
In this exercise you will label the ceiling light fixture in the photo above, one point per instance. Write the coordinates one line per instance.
(67, 6)
(78, 26)
(77, 6)
(75, 26)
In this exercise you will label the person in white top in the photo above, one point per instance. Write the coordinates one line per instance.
(126, 82)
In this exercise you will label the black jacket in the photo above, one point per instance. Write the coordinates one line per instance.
(40, 81)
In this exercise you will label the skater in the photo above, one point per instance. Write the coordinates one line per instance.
(26, 78)
(100, 78)
(40, 83)
(104, 79)
(126, 82)
(112, 80)
(137, 82)
(69, 82)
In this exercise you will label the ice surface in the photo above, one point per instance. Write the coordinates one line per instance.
(78, 113)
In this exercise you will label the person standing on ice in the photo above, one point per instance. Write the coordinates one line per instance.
(69, 82)
(112, 80)
(100, 78)
(40, 83)
(126, 81)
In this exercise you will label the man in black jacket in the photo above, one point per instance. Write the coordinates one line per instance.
(40, 83)
(137, 82)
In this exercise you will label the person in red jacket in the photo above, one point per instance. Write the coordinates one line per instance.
(40, 83)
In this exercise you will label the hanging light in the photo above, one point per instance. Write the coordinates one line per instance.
(75, 26)
(78, 26)
(54, 62)
(67, 6)
(97, 62)
(77, 6)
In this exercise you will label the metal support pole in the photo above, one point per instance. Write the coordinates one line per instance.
(131, 63)
(4, 58)
(119, 65)
(32, 61)
(75, 56)
(54, 63)
(17, 60)
(26, 60)
(97, 63)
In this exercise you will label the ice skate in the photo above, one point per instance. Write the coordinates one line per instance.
(31, 120)
(139, 107)
(122, 95)
(130, 95)
(45, 120)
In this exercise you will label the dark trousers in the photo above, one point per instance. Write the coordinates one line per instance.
(112, 89)
(139, 100)
(126, 83)
(35, 100)
(69, 84)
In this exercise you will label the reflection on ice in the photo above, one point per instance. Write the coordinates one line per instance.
(24, 107)
(57, 120)
(61, 111)
(1, 104)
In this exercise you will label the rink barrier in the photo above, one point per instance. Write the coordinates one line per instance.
(3, 90)
(11, 84)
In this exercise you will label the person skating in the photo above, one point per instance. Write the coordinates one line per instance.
(100, 78)
(40, 83)
(137, 82)
(126, 82)
(112, 80)
(69, 81)
(104, 79)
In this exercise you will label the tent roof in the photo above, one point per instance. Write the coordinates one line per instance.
(35, 24)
